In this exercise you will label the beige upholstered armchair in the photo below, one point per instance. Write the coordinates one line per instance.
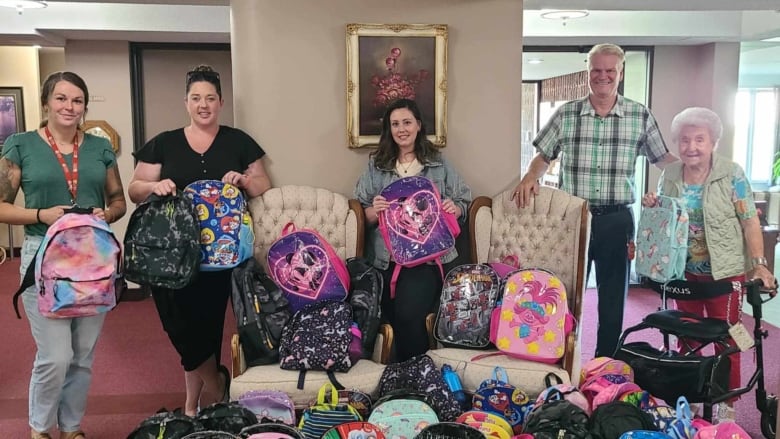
(341, 222)
(552, 233)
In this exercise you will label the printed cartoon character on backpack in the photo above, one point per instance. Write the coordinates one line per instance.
(413, 216)
(414, 227)
(534, 319)
(303, 269)
(306, 267)
(226, 235)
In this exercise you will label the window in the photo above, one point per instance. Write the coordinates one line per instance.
(755, 133)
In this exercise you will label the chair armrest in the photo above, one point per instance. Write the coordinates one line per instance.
(237, 356)
(360, 219)
(430, 324)
(474, 209)
(384, 343)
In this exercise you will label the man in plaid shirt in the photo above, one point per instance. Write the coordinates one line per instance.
(598, 139)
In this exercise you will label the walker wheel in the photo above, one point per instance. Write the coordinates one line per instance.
(769, 418)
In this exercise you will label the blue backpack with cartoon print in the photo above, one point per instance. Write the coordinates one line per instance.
(226, 236)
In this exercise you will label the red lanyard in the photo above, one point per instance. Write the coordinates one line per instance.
(72, 178)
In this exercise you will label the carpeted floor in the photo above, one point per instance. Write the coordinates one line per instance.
(136, 370)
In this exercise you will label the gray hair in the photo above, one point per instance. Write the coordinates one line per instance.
(698, 117)
(607, 49)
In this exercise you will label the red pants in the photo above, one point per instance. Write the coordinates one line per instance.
(717, 308)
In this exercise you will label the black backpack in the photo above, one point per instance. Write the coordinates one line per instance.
(261, 311)
(450, 430)
(558, 419)
(166, 425)
(469, 294)
(611, 420)
(365, 297)
(420, 374)
(317, 338)
(227, 417)
(162, 242)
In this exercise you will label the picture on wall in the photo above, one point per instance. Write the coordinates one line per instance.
(386, 62)
(11, 112)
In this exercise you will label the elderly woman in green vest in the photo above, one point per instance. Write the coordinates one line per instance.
(723, 230)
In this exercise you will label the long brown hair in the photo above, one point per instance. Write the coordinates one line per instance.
(386, 153)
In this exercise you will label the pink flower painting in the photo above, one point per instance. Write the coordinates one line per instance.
(395, 84)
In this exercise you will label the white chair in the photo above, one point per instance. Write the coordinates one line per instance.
(341, 222)
(552, 233)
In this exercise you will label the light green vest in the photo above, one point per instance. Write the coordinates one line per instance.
(725, 239)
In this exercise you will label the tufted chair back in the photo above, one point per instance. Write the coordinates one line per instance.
(552, 233)
(337, 219)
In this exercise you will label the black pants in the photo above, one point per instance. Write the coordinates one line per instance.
(610, 234)
(194, 316)
(416, 295)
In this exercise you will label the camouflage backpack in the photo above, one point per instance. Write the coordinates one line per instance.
(162, 242)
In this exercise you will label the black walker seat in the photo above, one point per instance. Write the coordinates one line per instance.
(671, 373)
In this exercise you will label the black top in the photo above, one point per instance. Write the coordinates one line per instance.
(232, 150)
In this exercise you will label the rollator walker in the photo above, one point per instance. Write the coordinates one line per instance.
(668, 372)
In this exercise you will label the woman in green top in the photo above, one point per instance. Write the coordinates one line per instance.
(58, 166)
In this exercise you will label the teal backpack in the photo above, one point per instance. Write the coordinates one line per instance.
(662, 240)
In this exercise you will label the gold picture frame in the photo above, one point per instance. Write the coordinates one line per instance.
(101, 128)
(390, 61)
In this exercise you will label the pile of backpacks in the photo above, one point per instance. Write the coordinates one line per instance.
(416, 400)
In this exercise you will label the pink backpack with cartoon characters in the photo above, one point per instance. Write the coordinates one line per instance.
(415, 228)
(533, 320)
(306, 267)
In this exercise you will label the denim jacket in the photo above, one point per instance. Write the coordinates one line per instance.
(374, 179)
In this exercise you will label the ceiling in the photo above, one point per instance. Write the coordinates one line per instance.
(625, 22)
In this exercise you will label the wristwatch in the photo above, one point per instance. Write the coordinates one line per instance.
(759, 261)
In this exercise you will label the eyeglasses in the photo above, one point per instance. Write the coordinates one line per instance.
(205, 74)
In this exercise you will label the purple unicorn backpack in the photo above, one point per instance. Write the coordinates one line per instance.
(306, 267)
(414, 227)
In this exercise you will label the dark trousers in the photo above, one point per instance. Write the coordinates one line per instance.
(416, 295)
(609, 237)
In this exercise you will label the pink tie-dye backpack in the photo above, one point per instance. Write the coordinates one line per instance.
(307, 268)
(76, 267)
(533, 320)
(415, 228)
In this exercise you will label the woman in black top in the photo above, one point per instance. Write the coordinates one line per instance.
(193, 317)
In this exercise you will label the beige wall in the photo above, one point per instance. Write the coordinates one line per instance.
(289, 72)
(164, 74)
(686, 76)
(104, 65)
(50, 60)
(19, 68)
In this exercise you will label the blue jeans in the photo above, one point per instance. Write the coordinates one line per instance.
(62, 370)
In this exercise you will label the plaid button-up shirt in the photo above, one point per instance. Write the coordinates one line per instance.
(599, 153)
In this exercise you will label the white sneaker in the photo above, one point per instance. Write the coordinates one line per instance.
(725, 413)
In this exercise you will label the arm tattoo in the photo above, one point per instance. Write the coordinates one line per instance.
(7, 189)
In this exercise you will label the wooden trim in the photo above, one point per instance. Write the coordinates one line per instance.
(478, 203)
(576, 299)
(235, 355)
(360, 215)
(387, 342)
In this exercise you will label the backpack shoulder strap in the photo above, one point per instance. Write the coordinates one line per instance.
(29, 280)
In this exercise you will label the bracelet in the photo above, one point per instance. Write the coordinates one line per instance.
(38, 215)
(759, 261)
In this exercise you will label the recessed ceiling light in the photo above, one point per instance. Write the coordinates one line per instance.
(21, 5)
(771, 40)
(565, 14)
(535, 61)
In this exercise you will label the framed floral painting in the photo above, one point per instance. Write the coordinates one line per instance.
(11, 112)
(386, 62)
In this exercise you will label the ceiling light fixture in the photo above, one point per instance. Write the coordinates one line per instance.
(771, 40)
(564, 14)
(535, 60)
(21, 5)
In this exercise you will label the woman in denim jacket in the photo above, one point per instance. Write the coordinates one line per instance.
(405, 151)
